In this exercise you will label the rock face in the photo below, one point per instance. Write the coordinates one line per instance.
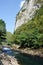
(7, 60)
(27, 12)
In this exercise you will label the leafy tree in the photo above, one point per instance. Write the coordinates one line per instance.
(31, 33)
(2, 31)
(9, 38)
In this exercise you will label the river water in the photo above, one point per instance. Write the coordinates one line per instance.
(25, 59)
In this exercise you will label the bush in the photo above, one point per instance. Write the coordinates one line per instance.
(31, 33)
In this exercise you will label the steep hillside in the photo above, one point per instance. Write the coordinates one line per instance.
(27, 12)
(31, 33)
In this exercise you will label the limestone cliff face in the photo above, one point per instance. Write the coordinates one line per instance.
(27, 12)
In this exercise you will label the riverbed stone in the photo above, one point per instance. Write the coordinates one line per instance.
(8, 60)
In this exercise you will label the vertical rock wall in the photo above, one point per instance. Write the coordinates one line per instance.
(27, 12)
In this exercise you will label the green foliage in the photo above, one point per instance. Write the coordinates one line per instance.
(39, 1)
(23, 10)
(9, 38)
(27, 0)
(36, 1)
(2, 31)
(31, 33)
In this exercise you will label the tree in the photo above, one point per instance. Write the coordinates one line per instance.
(2, 31)
(31, 33)
(9, 38)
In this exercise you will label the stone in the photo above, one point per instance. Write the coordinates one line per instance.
(27, 12)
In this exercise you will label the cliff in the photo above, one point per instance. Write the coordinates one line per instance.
(27, 11)
(29, 25)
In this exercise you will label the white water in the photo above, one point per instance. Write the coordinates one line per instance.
(5, 48)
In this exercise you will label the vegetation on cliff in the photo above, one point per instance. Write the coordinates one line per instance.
(31, 33)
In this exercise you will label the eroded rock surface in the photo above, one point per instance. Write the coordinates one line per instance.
(27, 12)
(7, 60)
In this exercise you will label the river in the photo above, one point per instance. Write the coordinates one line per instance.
(24, 59)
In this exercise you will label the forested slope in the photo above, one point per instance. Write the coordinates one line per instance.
(30, 34)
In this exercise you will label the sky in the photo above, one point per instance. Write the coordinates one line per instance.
(8, 11)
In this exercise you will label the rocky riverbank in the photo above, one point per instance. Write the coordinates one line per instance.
(25, 52)
(7, 60)
(38, 52)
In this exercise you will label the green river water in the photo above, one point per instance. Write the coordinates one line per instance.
(24, 59)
